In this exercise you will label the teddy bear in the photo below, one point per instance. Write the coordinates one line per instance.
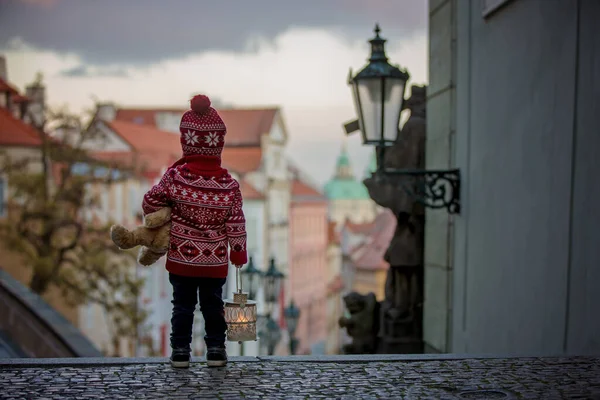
(153, 236)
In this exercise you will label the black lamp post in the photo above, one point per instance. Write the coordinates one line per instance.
(251, 278)
(272, 282)
(270, 334)
(378, 91)
(292, 314)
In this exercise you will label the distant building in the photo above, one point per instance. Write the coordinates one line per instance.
(335, 287)
(308, 265)
(364, 246)
(347, 196)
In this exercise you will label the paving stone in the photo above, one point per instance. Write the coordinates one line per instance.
(492, 378)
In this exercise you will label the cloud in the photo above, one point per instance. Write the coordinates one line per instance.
(81, 71)
(301, 70)
(141, 32)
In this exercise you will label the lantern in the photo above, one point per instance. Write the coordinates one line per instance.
(240, 314)
(291, 315)
(251, 278)
(273, 278)
(270, 336)
(378, 91)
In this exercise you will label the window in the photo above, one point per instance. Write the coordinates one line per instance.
(2, 197)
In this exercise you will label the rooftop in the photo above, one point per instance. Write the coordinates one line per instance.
(245, 126)
(14, 132)
(301, 377)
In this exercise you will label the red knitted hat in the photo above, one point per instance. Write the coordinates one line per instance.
(202, 129)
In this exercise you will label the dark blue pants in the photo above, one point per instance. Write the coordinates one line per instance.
(186, 291)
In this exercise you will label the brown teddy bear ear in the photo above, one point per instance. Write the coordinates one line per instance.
(122, 237)
(157, 218)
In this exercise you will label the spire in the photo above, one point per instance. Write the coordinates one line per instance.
(343, 169)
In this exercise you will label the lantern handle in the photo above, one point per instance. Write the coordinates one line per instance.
(238, 278)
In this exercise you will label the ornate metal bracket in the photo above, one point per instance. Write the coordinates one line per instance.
(433, 188)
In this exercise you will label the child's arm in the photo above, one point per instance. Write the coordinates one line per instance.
(157, 197)
(236, 231)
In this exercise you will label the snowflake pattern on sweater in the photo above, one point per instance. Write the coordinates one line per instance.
(207, 219)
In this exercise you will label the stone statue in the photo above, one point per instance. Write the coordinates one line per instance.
(362, 324)
(400, 319)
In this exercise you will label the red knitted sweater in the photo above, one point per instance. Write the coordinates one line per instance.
(206, 217)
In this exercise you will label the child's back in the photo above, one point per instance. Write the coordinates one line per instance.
(207, 217)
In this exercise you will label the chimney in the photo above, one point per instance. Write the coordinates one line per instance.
(37, 106)
(106, 112)
(3, 70)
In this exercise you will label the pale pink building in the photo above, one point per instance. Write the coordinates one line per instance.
(307, 283)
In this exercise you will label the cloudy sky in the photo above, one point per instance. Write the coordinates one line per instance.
(293, 54)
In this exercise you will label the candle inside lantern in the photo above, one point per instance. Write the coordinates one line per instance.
(240, 315)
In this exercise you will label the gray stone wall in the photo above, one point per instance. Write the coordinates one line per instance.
(518, 272)
(440, 143)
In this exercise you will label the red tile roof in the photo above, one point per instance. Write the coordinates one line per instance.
(302, 190)
(244, 126)
(360, 229)
(19, 98)
(152, 150)
(7, 87)
(14, 132)
(147, 139)
(369, 255)
(241, 159)
(155, 148)
(249, 192)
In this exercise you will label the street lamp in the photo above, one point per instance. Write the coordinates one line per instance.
(272, 281)
(292, 314)
(251, 278)
(270, 335)
(378, 92)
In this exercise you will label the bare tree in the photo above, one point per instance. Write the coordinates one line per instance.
(49, 224)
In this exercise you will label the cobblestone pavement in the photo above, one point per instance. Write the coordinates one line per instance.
(533, 378)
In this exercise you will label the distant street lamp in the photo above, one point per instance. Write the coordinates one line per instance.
(272, 282)
(292, 315)
(270, 335)
(251, 277)
(378, 92)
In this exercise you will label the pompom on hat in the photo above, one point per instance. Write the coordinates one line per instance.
(202, 129)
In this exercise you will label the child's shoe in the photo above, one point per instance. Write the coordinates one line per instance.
(180, 358)
(216, 357)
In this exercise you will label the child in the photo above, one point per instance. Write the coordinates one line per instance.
(206, 217)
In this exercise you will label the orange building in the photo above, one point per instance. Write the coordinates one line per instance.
(307, 283)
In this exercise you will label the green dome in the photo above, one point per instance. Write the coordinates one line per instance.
(346, 189)
(344, 185)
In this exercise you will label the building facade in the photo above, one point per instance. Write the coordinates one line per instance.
(514, 103)
(307, 283)
(335, 287)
